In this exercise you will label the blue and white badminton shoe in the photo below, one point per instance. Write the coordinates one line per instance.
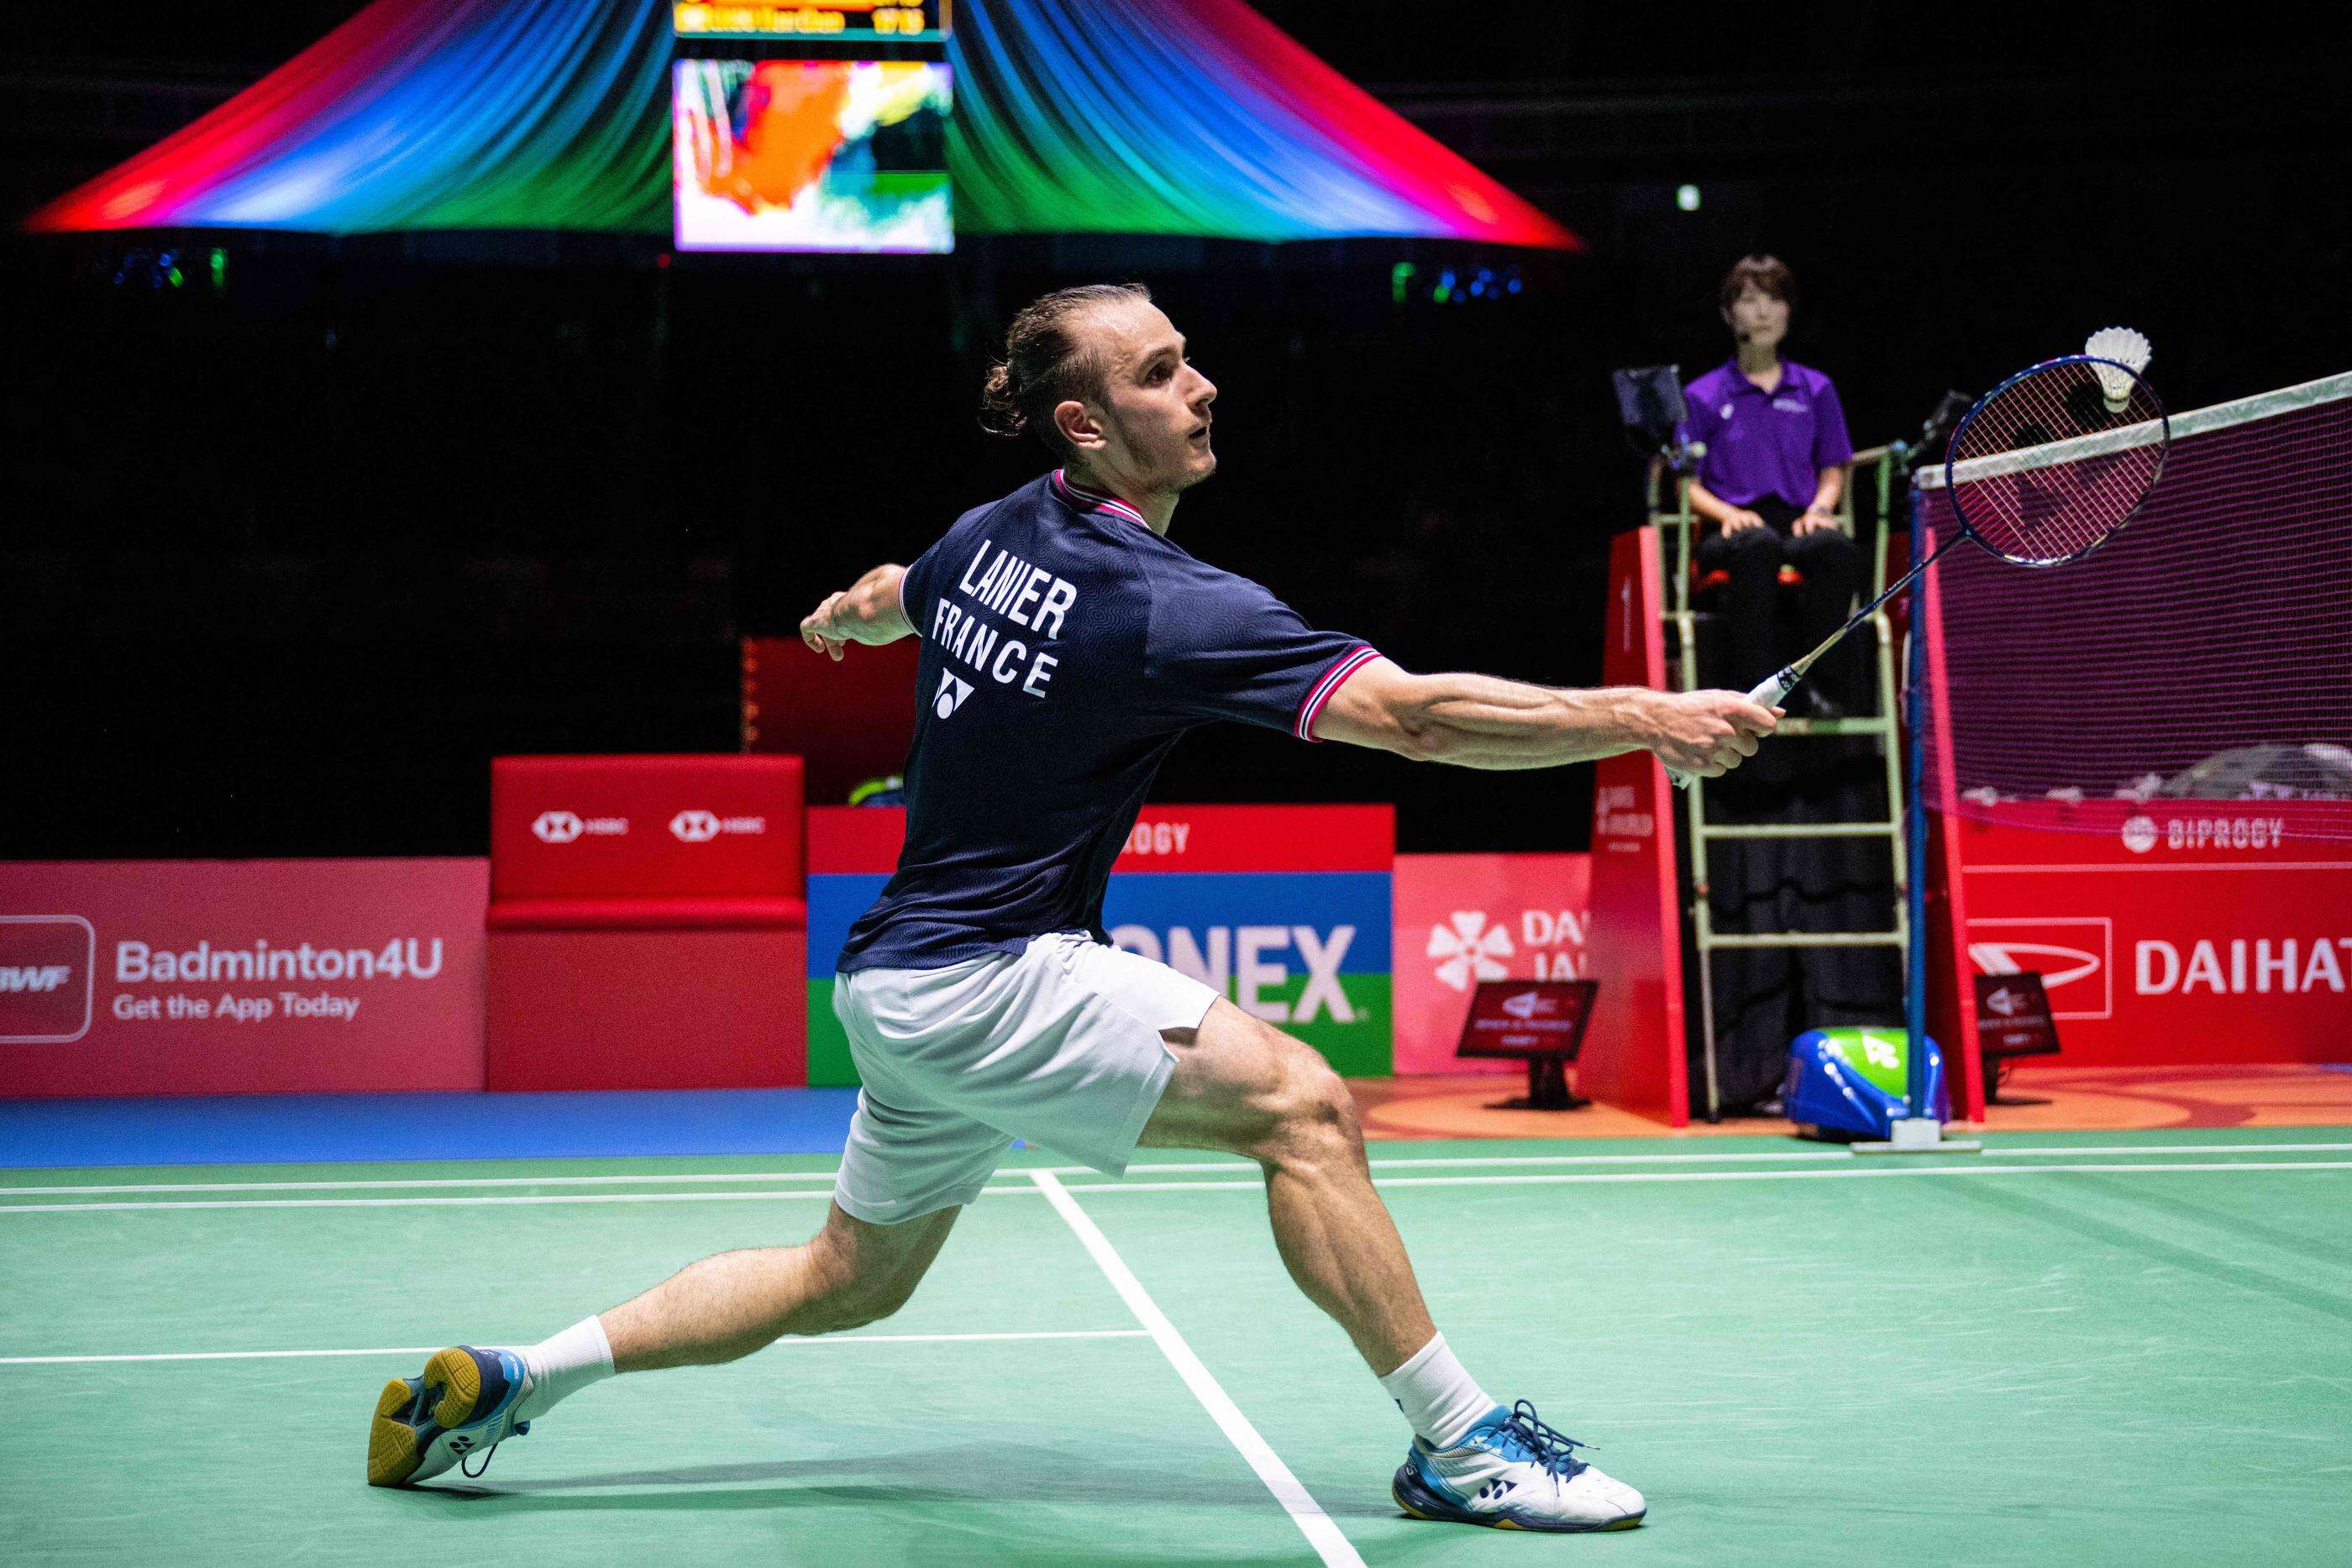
(466, 1403)
(1512, 1472)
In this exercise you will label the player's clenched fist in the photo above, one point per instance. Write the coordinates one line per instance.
(1708, 733)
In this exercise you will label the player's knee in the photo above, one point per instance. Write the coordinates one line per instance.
(853, 1291)
(1316, 1117)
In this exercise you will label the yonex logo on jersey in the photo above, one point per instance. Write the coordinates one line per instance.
(953, 689)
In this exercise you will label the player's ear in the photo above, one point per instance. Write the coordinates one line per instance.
(1078, 425)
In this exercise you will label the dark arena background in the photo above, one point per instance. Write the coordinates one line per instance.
(434, 403)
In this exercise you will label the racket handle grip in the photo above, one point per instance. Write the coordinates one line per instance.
(1767, 693)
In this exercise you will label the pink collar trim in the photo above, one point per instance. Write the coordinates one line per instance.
(1086, 499)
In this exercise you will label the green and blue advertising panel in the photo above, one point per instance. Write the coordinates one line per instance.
(1286, 909)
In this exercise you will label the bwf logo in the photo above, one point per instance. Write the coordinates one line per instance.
(45, 977)
(953, 689)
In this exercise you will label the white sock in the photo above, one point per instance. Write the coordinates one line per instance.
(562, 1364)
(1440, 1399)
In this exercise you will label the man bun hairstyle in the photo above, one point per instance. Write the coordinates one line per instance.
(1765, 274)
(1045, 363)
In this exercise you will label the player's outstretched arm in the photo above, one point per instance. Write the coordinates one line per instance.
(1483, 721)
(866, 612)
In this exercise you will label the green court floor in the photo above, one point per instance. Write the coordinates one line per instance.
(2073, 1349)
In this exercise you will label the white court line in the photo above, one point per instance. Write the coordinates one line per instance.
(429, 1349)
(1520, 1178)
(1303, 1511)
(1158, 1168)
(1538, 1178)
(532, 1200)
(403, 1182)
(673, 1178)
(2179, 1149)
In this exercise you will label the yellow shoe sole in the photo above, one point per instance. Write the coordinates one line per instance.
(453, 1385)
(392, 1453)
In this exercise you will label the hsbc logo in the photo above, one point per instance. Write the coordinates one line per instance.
(563, 827)
(2005, 1001)
(47, 975)
(701, 827)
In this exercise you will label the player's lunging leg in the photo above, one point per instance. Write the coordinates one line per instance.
(470, 1399)
(727, 1306)
(1243, 1087)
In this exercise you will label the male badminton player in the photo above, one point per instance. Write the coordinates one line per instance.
(1067, 643)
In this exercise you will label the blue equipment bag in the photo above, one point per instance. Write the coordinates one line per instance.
(1851, 1082)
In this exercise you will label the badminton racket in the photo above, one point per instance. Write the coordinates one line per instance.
(2043, 470)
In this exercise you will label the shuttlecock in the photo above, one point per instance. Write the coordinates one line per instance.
(2124, 347)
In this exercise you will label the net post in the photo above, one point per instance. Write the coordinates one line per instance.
(1921, 1132)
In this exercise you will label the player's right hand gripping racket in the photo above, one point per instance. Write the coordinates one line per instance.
(2044, 469)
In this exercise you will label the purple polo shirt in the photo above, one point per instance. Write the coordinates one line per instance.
(1763, 443)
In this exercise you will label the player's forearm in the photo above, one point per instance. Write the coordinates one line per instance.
(869, 612)
(1482, 721)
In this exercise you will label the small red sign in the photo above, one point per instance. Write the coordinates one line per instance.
(1527, 1018)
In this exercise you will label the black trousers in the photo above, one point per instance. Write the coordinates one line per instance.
(1764, 996)
(1758, 637)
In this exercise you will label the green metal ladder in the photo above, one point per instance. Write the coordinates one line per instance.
(1680, 525)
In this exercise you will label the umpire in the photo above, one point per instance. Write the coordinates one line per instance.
(1777, 461)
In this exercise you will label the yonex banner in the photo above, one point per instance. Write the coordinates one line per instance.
(1284, 908)
(236, 977)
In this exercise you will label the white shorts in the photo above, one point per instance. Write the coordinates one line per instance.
(1057, 1045)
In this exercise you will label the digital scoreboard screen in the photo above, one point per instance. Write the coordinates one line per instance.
(814, 127)
(836, 21)
(811, 155)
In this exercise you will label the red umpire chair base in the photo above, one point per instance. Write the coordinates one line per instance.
(647, 1010)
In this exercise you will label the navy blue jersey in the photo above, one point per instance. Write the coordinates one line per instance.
(1065, 647)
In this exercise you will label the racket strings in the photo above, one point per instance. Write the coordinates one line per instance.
(2069, 501)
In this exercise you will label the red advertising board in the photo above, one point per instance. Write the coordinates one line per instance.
(1461, 919)
(2190, 932)
(1634, 1055)
(233, 977)
(864, 838)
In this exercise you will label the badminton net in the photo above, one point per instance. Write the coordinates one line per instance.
(2203, 653)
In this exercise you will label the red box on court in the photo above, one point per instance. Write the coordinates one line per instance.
(648, 924)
